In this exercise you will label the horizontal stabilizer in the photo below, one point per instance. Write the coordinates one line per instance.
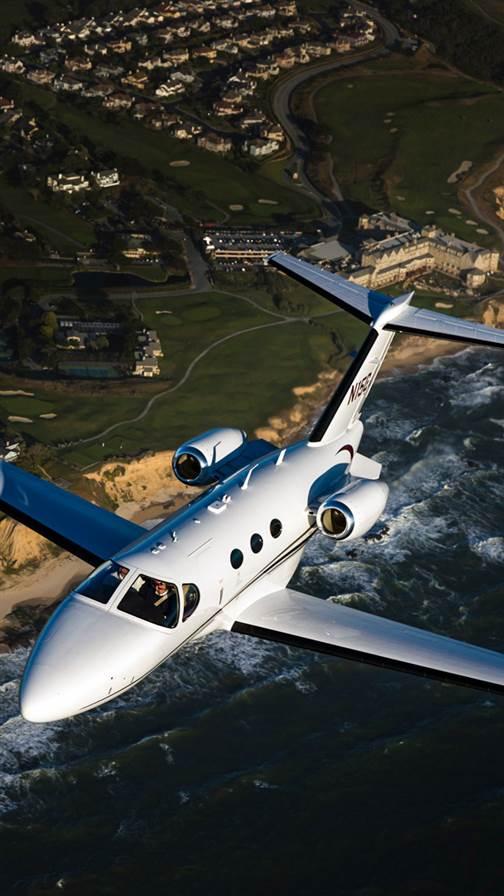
(366, 304)
(88, 531)
(297, 619)
(364, 467)
(443, 326)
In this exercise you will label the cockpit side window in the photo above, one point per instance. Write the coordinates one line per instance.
(191, 599)
(102, 583)
(154, 600)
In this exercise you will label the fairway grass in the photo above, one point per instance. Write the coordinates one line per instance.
(52, 221)
(399, 134)
(208, 185)
(242, 381)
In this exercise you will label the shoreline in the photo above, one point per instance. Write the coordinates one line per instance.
(54, 577)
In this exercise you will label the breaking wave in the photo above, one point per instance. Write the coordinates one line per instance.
(435, 431)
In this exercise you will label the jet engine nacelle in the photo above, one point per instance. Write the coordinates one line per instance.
(196, 462)
(351, 512)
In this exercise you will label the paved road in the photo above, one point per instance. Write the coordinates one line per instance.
(281, 105)
(390, 32)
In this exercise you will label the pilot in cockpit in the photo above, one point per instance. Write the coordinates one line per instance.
(153, 600)
(162, 599)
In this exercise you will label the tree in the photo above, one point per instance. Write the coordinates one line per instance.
(102, 343)
(48, 326)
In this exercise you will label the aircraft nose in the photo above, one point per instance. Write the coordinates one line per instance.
(84, 657)
(65, 671)
(41, 698)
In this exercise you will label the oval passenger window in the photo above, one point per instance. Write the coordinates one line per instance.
(275, 528)
(256, 543)
(236, 558)
(191, 599)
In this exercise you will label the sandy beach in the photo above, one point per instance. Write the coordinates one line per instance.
(146, 490)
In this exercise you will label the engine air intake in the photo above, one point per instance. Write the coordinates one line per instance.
(187, 467)
(350, 512)
(198, 462)
(335, 523)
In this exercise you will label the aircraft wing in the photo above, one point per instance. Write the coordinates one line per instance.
(361, 302)
(88, 531)
(442, 326)
(297, 619)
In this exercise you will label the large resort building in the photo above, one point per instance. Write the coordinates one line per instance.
(391, 249)
(411, 252)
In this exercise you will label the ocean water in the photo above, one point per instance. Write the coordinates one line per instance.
(243, 768)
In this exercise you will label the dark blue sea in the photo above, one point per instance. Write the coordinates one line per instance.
(248, 768)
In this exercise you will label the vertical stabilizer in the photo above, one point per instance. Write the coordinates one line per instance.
(346, 403)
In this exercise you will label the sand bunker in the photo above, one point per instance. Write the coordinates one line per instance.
(13, 419)
(267, 202)
(454, 211)
(394, 130)
(481, 230)
(6, 392)
(472, 223)
(235, 207)
(47, 416)
(459, 172)
(430, 211)
(180, 163)
(444, 305)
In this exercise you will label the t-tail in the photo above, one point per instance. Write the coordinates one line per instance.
(385, 316)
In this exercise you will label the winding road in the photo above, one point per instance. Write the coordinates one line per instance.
(281, 107)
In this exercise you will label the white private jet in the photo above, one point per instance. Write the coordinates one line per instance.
(224, 561)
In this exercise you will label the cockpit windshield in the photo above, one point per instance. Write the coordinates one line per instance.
(102, 583)
(154, 600)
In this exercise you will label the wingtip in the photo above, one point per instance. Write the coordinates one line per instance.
(273, 259)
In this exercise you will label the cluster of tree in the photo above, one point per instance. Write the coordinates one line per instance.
(460, 34)
(29, 329)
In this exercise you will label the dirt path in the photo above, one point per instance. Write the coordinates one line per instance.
(486, 15)
(473, 202)
(155, 398)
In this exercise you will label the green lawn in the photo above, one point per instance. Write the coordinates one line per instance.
(54, 222)
(38, 278)
(398, 136)
(208, 182)
(24, 406)
(242, 381)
